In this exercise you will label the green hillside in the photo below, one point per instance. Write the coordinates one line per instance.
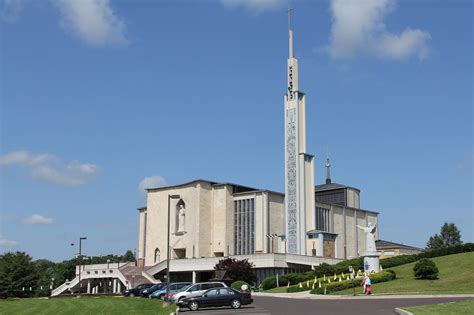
(456, 275)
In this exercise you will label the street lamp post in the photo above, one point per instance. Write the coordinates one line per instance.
(80, 259)
(168, 247)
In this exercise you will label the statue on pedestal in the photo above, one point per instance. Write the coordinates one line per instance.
(371, 256)
(369, 237)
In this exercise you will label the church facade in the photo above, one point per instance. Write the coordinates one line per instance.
(278, 232)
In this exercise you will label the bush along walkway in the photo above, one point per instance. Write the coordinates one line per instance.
(327, 288)
(327, 284)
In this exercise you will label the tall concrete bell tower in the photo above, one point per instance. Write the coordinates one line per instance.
(299, 170)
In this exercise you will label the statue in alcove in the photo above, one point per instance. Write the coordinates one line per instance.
(181, 217)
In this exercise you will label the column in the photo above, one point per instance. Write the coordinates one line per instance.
(194, 276)
(114, 288)
(88, 286)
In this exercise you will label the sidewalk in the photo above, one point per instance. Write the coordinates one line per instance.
(306, 295)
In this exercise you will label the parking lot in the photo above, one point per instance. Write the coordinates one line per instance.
(285, 306)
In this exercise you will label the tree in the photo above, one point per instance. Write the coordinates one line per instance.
(236, 269)
(449, 236)
(129, 256)
(45, 270)
(425, 269)
(17, 275)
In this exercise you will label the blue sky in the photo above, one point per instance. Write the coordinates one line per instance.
(101, 98)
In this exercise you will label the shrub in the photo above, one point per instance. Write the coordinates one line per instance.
(237, 269)
(425, 269)
(343, 266)
(383, 276)
(323, 269)
(398, 260)
(237, 285)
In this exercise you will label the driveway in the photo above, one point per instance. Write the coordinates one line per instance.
(285, 306)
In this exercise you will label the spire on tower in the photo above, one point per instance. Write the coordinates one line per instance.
(328, 168)
(290, 32)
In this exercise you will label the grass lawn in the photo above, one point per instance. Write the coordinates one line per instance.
(457, 308)
(83, 305)
(456, 276)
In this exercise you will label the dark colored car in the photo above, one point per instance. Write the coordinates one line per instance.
(148, 291)
(136, 291)
(217, 297)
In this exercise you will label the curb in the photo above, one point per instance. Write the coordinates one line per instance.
(402, 311)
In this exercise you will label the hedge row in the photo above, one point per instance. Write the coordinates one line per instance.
(384, 276)
(358, 264)
(406, 259)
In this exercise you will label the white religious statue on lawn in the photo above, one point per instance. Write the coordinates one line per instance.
(371, 256)
(181, 217)
(369, 237)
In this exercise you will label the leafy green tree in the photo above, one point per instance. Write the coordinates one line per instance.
(45, 271)
(128, 256)
(449, 236)
(17, 275)
(236, 269)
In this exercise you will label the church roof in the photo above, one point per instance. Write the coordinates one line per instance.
(238, 188)
(380, 244)
(332, 186)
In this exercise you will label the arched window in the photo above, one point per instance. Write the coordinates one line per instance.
(157, 255)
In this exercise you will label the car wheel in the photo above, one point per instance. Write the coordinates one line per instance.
(161, 296)
(235, 303)
(194, 306)
(132, 294)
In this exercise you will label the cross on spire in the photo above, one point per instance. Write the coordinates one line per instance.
(328, 168)
(289, 16)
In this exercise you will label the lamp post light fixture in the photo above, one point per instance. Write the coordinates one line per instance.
(168, 247)
(82, 238)
(271, 236)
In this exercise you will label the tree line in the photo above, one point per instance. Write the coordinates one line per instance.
(21, 276)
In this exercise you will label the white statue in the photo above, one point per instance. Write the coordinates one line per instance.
(181, 216)
(369, 237)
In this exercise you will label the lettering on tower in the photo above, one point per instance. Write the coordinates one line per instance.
(291, 196)
(290, 83)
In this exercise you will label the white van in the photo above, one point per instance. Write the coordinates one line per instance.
(196, 289)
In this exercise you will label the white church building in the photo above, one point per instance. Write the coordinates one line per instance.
(278, 232)
(294, 231)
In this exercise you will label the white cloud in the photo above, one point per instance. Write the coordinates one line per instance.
(358, 27)
(38, 219)
(10, 9)
(256, 6)
(151, 182)
(94, 21)
(4, 242)
(49, 168)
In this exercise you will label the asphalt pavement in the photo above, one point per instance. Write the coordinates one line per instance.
(286, 306)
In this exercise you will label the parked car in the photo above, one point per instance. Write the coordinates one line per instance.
(196, 290)
(217, 297)
(148, 291)
(174, 287)
(136, 291)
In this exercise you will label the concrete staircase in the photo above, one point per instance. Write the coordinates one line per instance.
(136, 276)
